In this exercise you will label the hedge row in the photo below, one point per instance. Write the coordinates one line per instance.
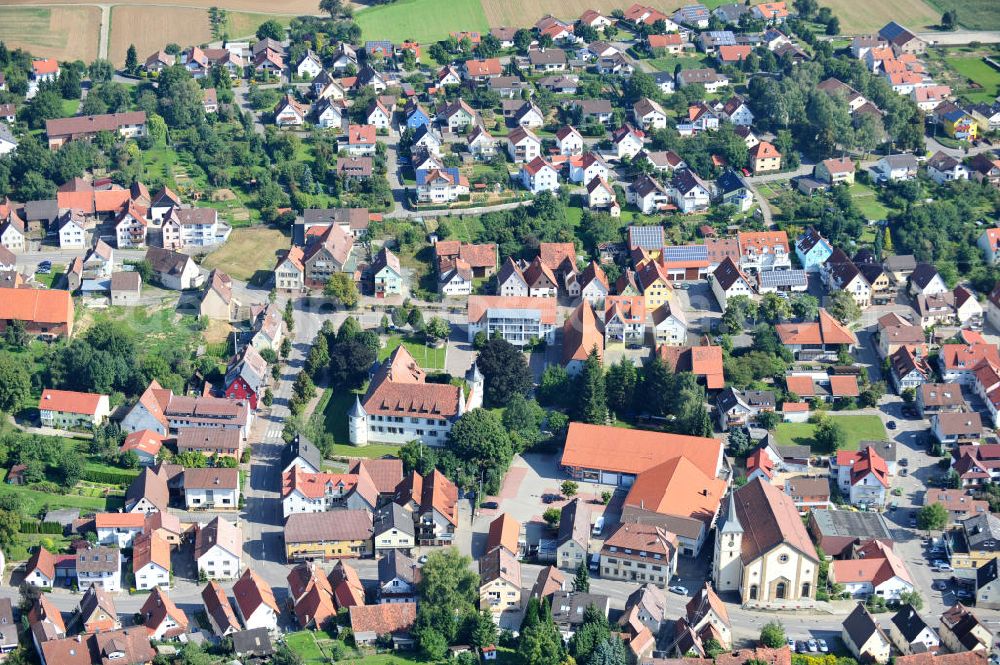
(109, 477)
(54, 528)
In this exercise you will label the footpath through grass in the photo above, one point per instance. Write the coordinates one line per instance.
(857, 428)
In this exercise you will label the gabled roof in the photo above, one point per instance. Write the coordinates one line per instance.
(157, 608)
(826, 330)
(728, 274)
(769, 518)
(383, 619)
(219, 532)
(861, 627)
(909, 622)
(251, 592)
(219, 608)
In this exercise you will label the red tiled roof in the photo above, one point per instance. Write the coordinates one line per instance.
(68, 401)
(382, 619)
(599, 447)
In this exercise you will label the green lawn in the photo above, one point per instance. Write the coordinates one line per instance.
(867, 203)
(304, 644)
(858, 428)
(427, 357)
(972, 14)
(669, 62)
(70, 106)
(35, 500)
(422, 20)
(977, 70)
(58, 270)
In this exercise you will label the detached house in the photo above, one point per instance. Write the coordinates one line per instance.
(944, 168)
(290, 113)
(649, 114)
(539, 176)
(255, 602)
(864, 638)
(523, 146)
(65, 409)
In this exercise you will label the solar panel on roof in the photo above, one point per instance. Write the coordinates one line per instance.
(647, 237)
(685, 253)
(779, 278)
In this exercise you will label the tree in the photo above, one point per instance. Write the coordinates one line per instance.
(912, 598)
(569, 488)
(949, 20)
(830, 435)
(739, 442)
(283, 655)
(932, 517)
(620, 382)
(609, 652)
(581, 583)
(449, 590)
(131, 60)
(416, 319)
(553, 387)
(15, 383)
(17, 335)
(871, 395)
(551, 516)
(540, 642)
(590, 399)
(774, 309)
(844, 308)
(772, 635)
(271, 30)
(522, 39)
(101, 70)
(505, 372)
(522, 419)
(768, 420)
(342, 287)
(805, 307)
(437, 328)
(480, 438)
(318, 357)
(350, 361)
(833, 26)
(331, 7)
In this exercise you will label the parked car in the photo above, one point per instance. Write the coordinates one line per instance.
(813, 646)
(904, 462)
(891, 424)
(678, 590)
(823, 648)
(801, 647)
(490, 505)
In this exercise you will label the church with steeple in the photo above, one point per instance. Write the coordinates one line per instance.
(762, 549)
(401, 406)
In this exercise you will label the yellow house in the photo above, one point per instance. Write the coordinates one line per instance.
(960, 125)
(980, 545)
(764, 157)
(500, 582)
(329, 535)
(655, 285)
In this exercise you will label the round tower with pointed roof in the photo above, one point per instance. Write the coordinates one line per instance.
(476, 382)
(727, 567)
(357, 423)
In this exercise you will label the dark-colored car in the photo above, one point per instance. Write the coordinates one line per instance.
(891, 424)
(490, 505)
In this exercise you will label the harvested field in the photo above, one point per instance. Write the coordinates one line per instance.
(65, 33)
(152, 28)
(288, 7)
(864, 16)
(248, 252)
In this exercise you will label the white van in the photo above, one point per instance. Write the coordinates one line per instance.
(598, 527)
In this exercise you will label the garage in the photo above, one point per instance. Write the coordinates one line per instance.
(609, 478)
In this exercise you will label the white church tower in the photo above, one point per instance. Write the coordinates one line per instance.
(727, 567)
(357, 424)
(474, 379)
